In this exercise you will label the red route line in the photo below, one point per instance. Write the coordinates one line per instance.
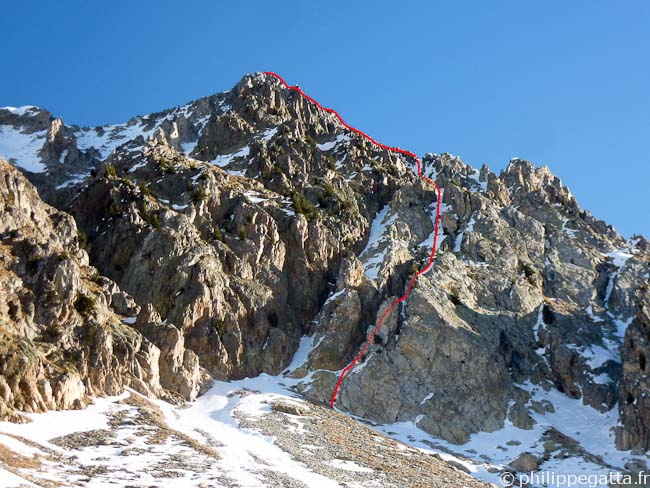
(435, 231)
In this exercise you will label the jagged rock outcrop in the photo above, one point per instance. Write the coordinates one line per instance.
(516, 295)
(240, 265)
(63, 337)
(634, 392)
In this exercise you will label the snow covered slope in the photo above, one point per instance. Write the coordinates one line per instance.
(249, 433)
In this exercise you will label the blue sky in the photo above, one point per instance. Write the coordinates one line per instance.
(566, 84)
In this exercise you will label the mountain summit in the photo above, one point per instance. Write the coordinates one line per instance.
(249, 234)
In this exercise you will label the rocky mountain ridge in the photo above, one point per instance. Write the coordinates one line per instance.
(242, 225)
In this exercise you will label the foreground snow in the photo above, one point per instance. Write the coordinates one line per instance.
(243, 455)
(234, 435)
(211, 419)
(220, 420)
(246, 457)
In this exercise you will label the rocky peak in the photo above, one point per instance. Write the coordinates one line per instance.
(243, 226)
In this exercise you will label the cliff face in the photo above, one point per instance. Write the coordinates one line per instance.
(241, 224)
(64, 327)
(634, 404)
(239, 260)
(526, 288)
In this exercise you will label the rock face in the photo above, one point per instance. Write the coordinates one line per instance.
(526, 288)
(63, 336)
(634, 402)
(239, 223)
(239, 264)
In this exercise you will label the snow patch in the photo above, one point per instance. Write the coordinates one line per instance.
(302, 353)
(268, 134)
(326, 146)
(108, 138)
(476, 175)
(224, 159)
(572, 233)
(20, 110)
(18, 447)
(594, 318)
(46, 426)
(594, 355)
(22, 149)
(619, 257)
(255, 197)
(373, 254)
(426, 398)
(14, 481)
